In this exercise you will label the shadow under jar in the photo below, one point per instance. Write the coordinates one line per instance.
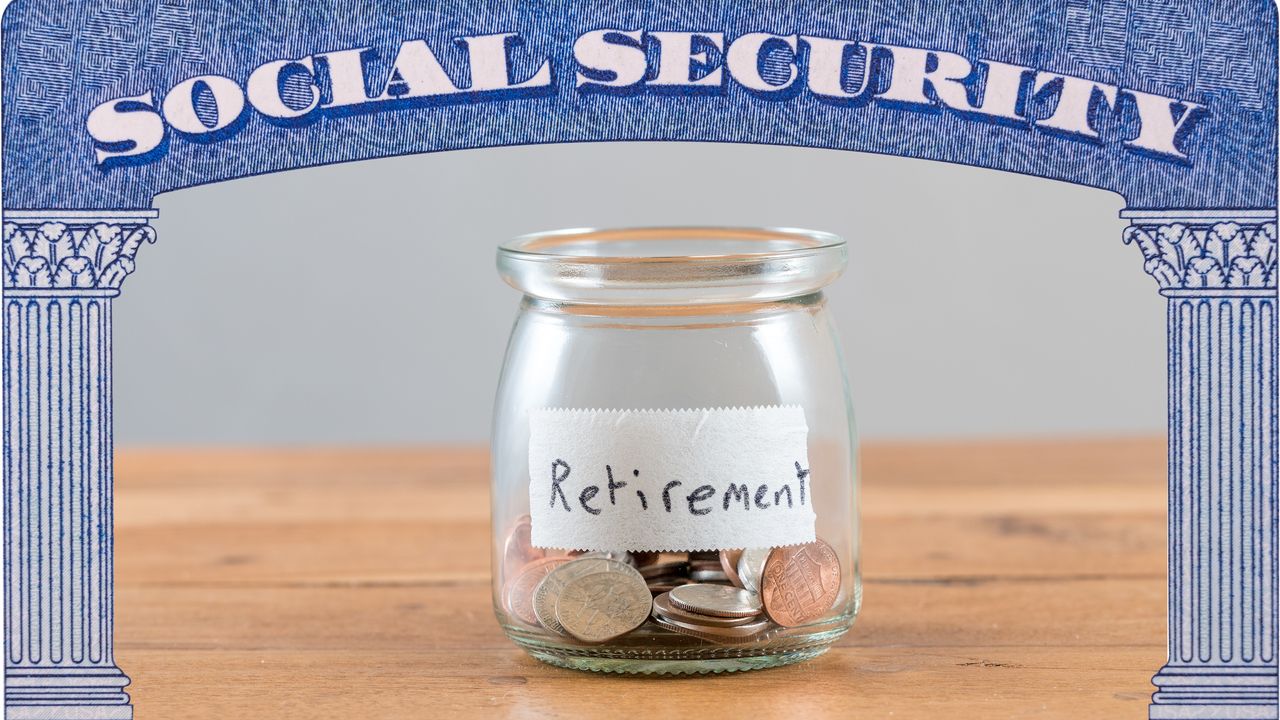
(674, 455)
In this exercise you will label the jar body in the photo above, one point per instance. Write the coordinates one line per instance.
(633, 357)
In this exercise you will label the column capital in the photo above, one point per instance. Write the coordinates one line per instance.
(1206, 251)
(72, 249)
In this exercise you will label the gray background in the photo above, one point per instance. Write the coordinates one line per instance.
(358, 303)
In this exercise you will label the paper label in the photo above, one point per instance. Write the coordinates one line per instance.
(650, 480)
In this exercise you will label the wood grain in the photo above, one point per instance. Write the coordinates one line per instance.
(1002, 580)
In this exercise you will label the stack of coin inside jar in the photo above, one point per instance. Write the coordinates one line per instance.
(728, 597)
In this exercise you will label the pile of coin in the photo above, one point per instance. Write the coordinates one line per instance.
(665, 576)
(719, 613)
(705, 567)
(726, 596)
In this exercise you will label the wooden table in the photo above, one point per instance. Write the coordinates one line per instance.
(1002, 580)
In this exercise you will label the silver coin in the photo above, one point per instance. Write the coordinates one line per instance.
(751, 567)
(749, 632)
(601, 606)
(718, 600)
(664, 609)
(709, 576)
(548, 592)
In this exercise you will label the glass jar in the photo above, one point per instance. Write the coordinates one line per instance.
(674, 457)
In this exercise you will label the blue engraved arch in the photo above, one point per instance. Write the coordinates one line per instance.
(66, 58)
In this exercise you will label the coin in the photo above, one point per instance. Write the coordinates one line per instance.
(518, 592)
(619, 555)
(801, 583)
(720, 600)
(662, 607)
(704, 567)
(677, 567)
(547, 593)
(751, 567)
(602, 606)
(658, 588)
(519, 550)
(644, 559)
(739, 634)
(729, 563)
(709, 576)
(666, 583)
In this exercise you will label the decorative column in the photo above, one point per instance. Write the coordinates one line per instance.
(1218, 271)
(61, 270)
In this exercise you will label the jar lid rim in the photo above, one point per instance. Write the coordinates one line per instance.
(579, 266)
(532, 246)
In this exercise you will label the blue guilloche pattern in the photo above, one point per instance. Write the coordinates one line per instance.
(63, 59)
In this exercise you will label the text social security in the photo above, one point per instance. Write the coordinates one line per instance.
(499, 67)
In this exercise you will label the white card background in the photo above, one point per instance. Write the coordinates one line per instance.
(747, 456)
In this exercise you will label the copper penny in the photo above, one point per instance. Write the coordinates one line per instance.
(644, 559)
(800, 583)
(519, 550)
(729, 563)
(517, 594)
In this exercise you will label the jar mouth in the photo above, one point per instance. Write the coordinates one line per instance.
(671, 265)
